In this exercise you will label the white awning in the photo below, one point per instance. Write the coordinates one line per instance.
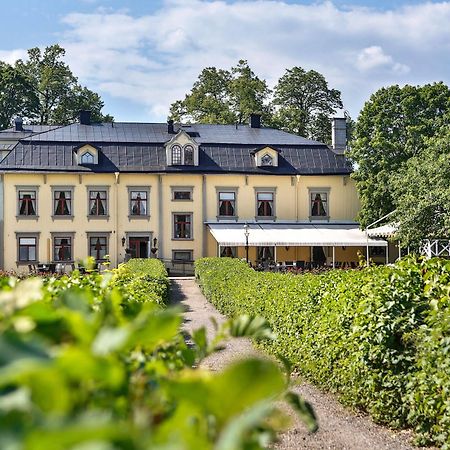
(384, 231)
(293, 235)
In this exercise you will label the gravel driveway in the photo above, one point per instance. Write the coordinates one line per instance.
(339, 428)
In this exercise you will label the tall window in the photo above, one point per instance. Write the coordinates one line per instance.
(27, 249)
(62, 248)
(182, 228)
(27, 203)
(98, 247)
(98, 203)
(319, 204)
(176, 154)
(264, 204)
(227, 204)
(188, 155)
(62, 203)
(138, 203)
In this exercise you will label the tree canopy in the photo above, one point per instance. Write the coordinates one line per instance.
(223, 96)
(305, 104)
(43, 90)
(423, 204)
(396, 143)
(301, 103)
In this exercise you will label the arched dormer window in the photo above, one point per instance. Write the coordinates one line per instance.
(182, 150)
(188, 155)
(87, 158)
(176, 154)
(267, 160)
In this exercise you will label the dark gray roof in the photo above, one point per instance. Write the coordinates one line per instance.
(28, 130)
(312, 159)
(156, 133)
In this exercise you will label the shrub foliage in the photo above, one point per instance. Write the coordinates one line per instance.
(379, 337)
(96, 361)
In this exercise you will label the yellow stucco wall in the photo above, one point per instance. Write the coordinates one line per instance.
(291, 204)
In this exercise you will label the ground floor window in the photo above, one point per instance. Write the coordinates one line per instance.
(62, 248)
(27, 248)
(98, 247)
(265, 253)
(228, 252)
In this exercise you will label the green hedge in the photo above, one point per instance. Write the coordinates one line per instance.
(95, 361)
(379, 337)
(142, 280)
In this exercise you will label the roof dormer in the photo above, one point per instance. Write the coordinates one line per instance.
(86, 154)
(182, 150)
(266, 157)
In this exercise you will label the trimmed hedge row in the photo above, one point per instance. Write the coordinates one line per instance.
(380, 337)
(142, 280)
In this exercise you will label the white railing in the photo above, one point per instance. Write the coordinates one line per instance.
(436, 247)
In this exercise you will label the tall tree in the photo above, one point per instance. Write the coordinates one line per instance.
(44, 90)
(224, 96)
(305, 104)
(422, 201)
(393, 127)
(17, 96)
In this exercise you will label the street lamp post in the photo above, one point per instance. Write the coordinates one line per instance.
(246, 233)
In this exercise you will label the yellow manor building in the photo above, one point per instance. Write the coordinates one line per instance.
(176, 192)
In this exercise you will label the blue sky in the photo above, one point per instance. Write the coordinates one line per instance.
(142, 55)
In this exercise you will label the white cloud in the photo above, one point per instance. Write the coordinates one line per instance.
(374, 58)
(12, 56)
(154, 59)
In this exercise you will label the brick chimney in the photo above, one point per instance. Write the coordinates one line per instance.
(339, 134)
(255, 121)
(85, 117)
(18, 124)
(170, 127)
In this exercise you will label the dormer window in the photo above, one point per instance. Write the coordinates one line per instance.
(188, 155)
(87, 158)
(266, 156)
(87, 154)
(182, 150)
(267, 160)
(176, 154)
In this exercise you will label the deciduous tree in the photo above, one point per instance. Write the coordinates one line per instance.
(224, 96)
(44, 90)
(305, 104)
(393, 126)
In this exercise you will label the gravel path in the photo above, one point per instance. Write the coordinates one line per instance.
(339, 428)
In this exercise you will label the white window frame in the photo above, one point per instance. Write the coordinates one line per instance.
(319, 190)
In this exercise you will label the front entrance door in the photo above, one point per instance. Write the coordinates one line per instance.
(139, 247)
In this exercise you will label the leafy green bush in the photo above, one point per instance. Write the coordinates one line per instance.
(81, 369)
(380, 337)
(141, 280)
